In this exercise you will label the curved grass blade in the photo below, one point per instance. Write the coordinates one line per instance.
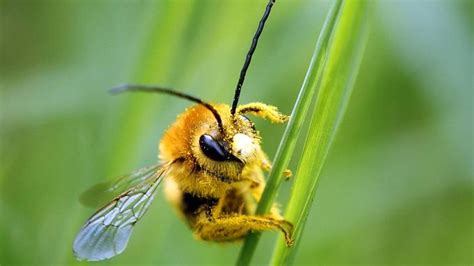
(344, 57)
(288, 142)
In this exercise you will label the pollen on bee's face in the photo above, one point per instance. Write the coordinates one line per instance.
(243, 145)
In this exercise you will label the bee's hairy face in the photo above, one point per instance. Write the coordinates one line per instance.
(226, 151)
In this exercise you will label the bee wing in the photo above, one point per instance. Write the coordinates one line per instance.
(101, 193)
(106, 233)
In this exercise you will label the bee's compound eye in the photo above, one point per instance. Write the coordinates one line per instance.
(212, 149)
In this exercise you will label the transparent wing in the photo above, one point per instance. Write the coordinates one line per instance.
(106, 233)
(101, 193)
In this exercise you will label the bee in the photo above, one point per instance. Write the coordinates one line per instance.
(211, 164)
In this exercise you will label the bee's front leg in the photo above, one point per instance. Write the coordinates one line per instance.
(235, 227)
(286, 173)
(266, 165)
(264, 111)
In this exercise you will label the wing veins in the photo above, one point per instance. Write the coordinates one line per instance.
(106, 232)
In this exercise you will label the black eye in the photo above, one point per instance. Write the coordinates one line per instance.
(212, 149)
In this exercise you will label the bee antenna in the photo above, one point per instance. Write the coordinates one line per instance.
(249, 55)
(156, 89)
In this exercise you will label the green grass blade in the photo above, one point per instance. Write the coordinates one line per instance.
(344, 57)
(288, 142)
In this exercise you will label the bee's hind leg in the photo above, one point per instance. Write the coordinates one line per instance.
(231, 228)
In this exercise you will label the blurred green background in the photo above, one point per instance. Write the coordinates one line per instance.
(398, 184)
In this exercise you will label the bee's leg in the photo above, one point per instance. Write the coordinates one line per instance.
(264, 111)
(266, 165)
(265, 162)
(286, 173)
(235, 227)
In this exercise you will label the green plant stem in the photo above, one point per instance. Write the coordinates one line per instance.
(344, 57)
(289, 139)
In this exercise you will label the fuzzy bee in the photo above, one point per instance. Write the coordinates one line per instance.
(211, 164)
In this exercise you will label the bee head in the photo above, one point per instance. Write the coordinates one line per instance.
(222, 142)
(227, 149)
